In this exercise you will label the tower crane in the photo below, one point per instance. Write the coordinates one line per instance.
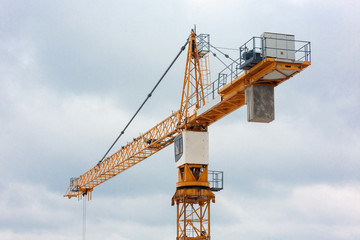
(264, 62)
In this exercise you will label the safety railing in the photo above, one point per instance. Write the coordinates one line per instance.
(74, 186)
(253, 51)
(216, 180)
(203, 44)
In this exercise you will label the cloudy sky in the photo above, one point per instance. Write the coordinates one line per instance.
(72, 73)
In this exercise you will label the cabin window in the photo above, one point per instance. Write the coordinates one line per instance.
(178, 143)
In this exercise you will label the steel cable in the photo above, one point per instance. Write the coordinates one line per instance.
(226, 66)
(226, 55)
(84, 217)
(148, 96)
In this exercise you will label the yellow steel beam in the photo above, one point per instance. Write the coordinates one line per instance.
(233, 94)
(136, 151)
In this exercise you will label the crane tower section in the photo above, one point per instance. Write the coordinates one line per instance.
(193, 194)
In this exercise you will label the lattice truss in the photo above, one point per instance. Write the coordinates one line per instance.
(193, 220)
(136, 151)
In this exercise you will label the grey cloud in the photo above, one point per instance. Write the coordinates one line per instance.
(72, 74)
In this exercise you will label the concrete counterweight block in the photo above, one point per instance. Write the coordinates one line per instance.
(260, 103)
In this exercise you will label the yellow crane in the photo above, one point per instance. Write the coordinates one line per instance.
(264, 62)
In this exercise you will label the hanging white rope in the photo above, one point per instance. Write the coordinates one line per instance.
(84, 217)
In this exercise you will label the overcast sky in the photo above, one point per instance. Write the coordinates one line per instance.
(72, 73)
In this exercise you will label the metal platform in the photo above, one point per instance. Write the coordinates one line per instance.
(216, 180)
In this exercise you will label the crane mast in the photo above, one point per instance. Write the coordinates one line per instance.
(193, 194)
(264, 63)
